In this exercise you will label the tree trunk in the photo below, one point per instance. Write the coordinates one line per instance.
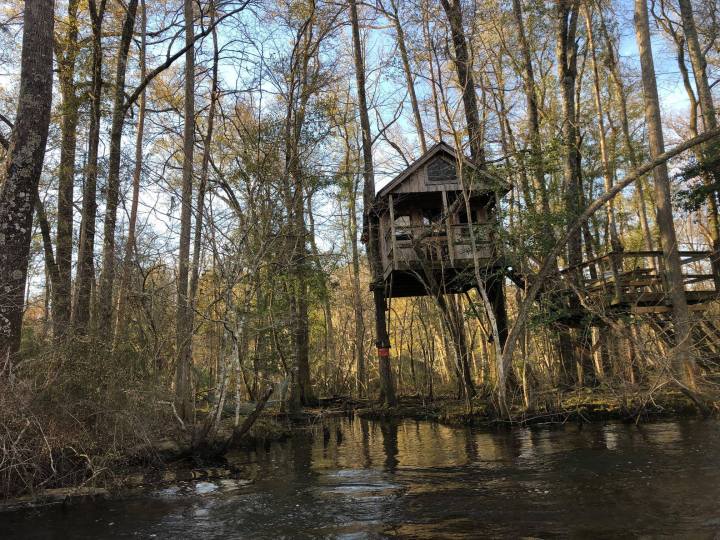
(107, 276)
(86, 249)
(614, 240)
(359, 320)
(23, 166)
(400, 33)
(205, 166)
(429, 47)
(371, 220)
(711, 150)
(567, 73)
(124, 287)
(62, 289)
(567, 15)
(183, 335)
(619, 91)
(538, 165)
(331, 356)
(682, 359)
(463, 67)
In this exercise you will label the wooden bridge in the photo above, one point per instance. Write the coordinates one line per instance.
(634, 281)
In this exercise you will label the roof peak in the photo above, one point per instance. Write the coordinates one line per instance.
(419, 162)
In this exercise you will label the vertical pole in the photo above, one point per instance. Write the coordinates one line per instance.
(392, 232)
(387, 395)
(448, 229)
(494, 288)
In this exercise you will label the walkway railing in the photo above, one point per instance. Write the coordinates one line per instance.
(634, 277)
(442, 244)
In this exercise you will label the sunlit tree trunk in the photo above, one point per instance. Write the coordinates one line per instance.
(124, 286)
(463, 66)
(620, 99)
(567, 17)
(429, 50)
(711, 150)
(682, 359)
(400, 34)
(614, 240)
(205, 166)
(530, 87)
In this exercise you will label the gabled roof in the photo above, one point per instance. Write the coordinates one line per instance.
(438, 148)
(441, 147)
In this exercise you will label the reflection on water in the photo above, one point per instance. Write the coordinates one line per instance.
(360, 479)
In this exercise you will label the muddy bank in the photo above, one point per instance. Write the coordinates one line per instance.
(165, 461)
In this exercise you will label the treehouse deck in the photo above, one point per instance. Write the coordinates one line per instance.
(633, 281)
(445, 251)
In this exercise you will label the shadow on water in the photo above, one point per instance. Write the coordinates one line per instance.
(354, 478)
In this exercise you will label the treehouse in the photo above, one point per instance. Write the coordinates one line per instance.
(430, 235)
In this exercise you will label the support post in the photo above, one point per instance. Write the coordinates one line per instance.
(387, 390)
(448, 229)
(392, 232)
(496, 294)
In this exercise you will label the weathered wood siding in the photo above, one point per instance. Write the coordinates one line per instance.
(418, 183)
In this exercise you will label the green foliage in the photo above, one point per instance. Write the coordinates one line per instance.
(696, 188)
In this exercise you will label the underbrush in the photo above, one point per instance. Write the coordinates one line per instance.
(74, 416)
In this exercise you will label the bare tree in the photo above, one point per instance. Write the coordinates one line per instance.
(370, 219)
(682, 359)
(86, 249)
(184, 331)
(107, 276)
(66, 51)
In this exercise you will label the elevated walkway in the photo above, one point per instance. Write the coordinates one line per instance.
(634, 281)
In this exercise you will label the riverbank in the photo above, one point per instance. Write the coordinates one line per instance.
(172, 458)
(586, 405)
(350, 477)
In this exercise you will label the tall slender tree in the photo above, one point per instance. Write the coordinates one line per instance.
(371, 220)
(86, 249)
(183, 327)
(130, 242)
(682, 359)
(67, 49)
(107, 276)
(711, 150)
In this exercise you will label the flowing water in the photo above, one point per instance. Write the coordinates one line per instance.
(364, 479)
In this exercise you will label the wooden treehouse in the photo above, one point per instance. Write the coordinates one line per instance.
(633, 282)
(426, 234)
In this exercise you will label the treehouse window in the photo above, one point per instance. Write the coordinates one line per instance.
(440, 171)
(402, 227)
(433, 217)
